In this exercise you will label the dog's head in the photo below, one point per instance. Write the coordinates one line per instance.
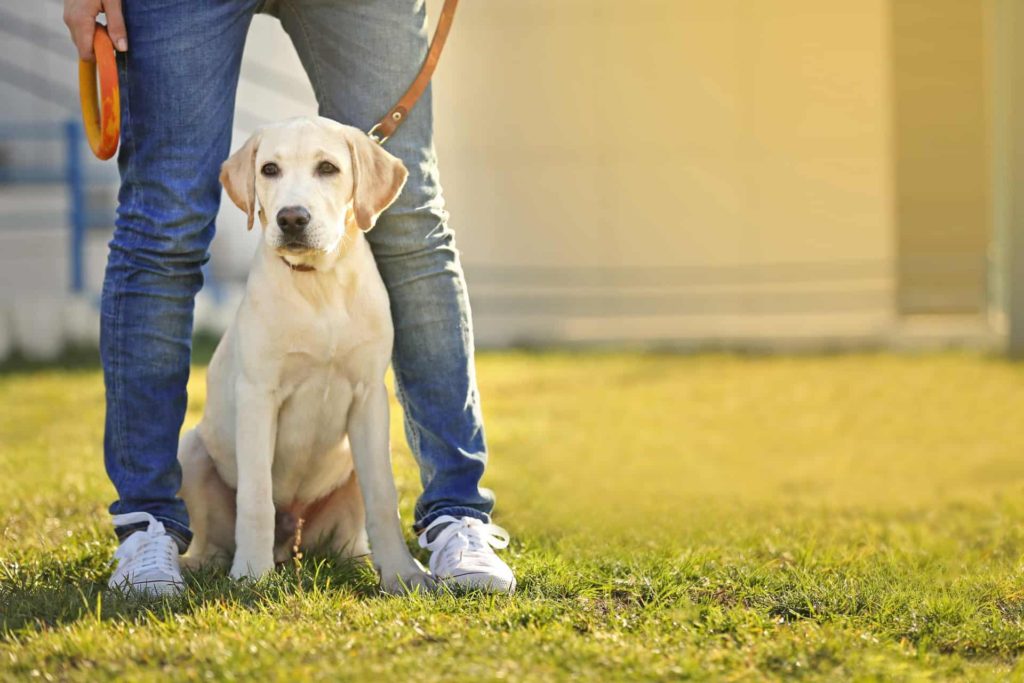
(311, 179)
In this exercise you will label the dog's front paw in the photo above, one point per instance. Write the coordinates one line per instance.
(251, 567)
(411, 579)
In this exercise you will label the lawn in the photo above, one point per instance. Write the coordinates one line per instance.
(709, 516)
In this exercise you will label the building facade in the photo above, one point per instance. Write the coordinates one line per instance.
(771, 173)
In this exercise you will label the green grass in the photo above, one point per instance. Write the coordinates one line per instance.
(736, 518)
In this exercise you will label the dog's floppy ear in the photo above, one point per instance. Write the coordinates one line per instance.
(377, 178)
(238, 176)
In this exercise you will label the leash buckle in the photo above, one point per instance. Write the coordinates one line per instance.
(375, 136)
(397, 114)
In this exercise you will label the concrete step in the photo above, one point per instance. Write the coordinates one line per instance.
(33, 207)
(41, 325)
(34, 261)
(27, 198)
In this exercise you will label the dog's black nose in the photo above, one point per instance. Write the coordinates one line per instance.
(292, 219)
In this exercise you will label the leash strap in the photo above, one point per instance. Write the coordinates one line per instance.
(386, 127)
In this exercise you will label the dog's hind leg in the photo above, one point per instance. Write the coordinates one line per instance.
(210, 504)
(339, 522)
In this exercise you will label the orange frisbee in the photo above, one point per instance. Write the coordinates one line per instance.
(102, 116)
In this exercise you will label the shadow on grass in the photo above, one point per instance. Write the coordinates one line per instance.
(51, 593)
(716, 598)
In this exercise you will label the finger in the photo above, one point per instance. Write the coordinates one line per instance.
(82, 32)
(81, 28)
(115, 24)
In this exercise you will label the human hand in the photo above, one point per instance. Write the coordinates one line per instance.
(80, 18)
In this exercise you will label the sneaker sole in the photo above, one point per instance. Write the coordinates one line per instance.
(156, 589)
(480, 581)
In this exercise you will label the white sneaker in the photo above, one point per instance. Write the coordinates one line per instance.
(147, 561)
(462, 554)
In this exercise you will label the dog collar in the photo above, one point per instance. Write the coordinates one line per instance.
(302, 268)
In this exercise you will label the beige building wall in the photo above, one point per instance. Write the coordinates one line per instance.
(943, 181)
(671, 169)
(699, 170)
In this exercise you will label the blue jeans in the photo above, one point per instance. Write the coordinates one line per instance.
(178, 86)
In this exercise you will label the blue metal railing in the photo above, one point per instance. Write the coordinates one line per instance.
(72, 173)
(78, 176)
(77, 172)
(76, 213)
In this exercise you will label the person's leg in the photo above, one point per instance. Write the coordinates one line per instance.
(360, 56)
(178, 85)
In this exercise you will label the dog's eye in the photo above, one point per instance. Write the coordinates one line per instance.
(326, 168)
(270, 169)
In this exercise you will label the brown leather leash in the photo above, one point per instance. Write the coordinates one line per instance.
(387, 126)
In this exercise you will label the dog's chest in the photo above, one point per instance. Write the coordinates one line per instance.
(311, 453)
(326, 373)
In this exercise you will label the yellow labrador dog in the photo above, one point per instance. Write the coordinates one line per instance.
(296, 421)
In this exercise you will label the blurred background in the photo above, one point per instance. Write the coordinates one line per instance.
(773, 174)
(634, 176)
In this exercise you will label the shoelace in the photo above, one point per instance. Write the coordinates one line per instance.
(149, 551)
(463, 537)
